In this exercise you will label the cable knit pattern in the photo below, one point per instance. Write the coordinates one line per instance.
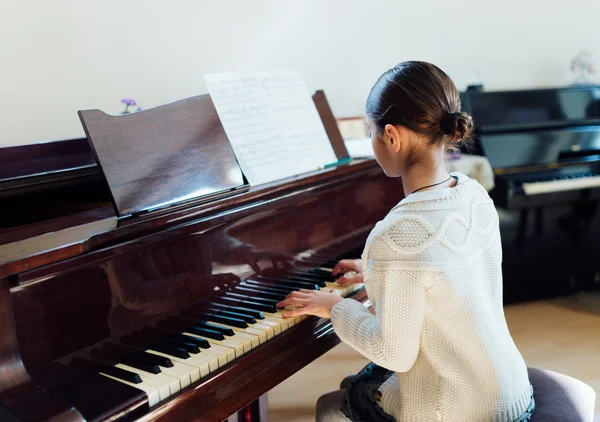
(433, 272)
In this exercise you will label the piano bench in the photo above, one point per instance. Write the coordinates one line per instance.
(346, 382)
(559, 397)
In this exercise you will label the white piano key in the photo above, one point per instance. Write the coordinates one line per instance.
(246, 341)
(289, 322)
(180, 371)
(195, 366)
(559, 185)
(267, 329)
(255, 336)
(225, 352)
(279, 324)
(274, 328)
(237, 347)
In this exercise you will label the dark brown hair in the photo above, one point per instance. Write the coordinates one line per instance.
(422, 98)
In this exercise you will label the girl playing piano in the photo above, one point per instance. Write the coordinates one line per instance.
(439, 343)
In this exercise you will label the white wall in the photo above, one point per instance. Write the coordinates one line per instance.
(59, 56)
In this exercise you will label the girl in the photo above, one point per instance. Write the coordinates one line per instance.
(439, 343)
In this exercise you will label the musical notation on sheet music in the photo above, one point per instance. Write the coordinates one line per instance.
(271, 122)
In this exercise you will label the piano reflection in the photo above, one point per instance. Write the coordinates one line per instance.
(139, 272)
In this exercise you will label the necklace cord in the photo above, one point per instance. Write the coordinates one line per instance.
(435, 184)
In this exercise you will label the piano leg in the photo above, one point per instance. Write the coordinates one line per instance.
(539, 221)
(522, 229)
(257, 411)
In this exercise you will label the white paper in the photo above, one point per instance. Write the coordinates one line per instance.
(359, 148)
(271, 122)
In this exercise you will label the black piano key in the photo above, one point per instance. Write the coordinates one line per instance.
(243, 310)
(301, 285)
(215, 335)
(286, 281)
(266, 294)
(112, 353)
(330, 264)
(229, 320)
(249, 319)
(319, 271)
(249, 304)
(307, 275)
(211, 316)
(142, 364)
(167, 349)
(190, 347)
(259, 306)
(223, 330)
(253, 298)
(283, 283)
(119, 373)
(291, 278)
(122, 374)
(270, 287)
(281, 291)
(321, 283)
(155, 359)
(200, 342)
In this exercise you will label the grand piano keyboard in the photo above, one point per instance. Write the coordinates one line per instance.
(562, 183)
(180, 351)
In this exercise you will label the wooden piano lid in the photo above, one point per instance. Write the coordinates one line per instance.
(162, 156)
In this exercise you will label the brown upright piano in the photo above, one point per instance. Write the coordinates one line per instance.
(139, 270)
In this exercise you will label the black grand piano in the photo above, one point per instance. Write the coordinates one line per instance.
(139, 271)
(544, 148)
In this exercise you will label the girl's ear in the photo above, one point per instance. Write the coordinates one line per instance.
(394, 136)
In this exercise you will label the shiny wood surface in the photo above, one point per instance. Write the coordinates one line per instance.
(330, 124)
(29, 161)
(85, 279)
(17, 389)
(105, 293)
(60, 230)
(164, 155)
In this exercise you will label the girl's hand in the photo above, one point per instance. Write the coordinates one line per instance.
(351, 271)
(310, 302)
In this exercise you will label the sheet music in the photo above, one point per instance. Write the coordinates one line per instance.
(359, 148)
(271, 122)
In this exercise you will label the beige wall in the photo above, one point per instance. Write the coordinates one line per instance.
(59, 56)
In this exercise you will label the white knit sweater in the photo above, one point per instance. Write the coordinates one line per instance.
(433, 272)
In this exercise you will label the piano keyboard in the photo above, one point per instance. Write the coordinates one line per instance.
(181, 350)
(562, 184)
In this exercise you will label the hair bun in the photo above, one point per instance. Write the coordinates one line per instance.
(457, 126)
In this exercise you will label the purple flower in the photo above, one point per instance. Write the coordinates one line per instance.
(128, 101)
(453, 155)
(139, 109)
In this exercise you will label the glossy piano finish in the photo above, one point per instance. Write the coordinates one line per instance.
(105, 293)
(83, 280)
(25, 163)
(172, 153)
(17, 389)
(330, 124)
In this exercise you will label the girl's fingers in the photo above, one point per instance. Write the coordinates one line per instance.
(305, 291)
(341, 267)
(346, 281)
(296, 312)
(292, 301)
(299, 294)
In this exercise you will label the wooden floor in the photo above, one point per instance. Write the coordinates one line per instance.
(548, 334)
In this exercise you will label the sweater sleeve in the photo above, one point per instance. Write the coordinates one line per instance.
(391, 337)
